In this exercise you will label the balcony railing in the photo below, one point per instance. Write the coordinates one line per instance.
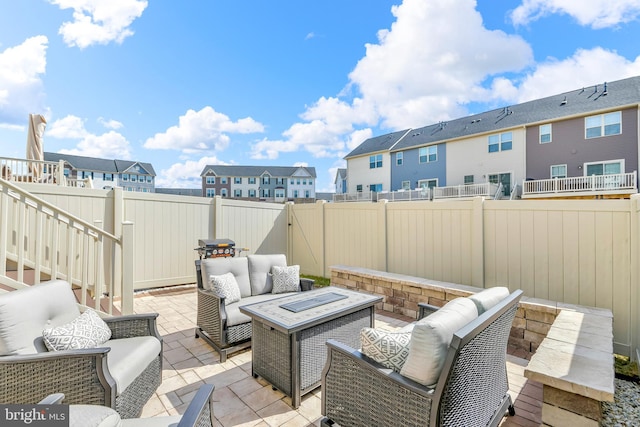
(485, 189)
(624, 183)
(391, 196)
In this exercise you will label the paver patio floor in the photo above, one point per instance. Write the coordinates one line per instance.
(241, 400)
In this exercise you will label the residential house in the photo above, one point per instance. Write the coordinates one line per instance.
(582, 143)
(107, 173)
(369, 164)
(341, 181)
(269, 183)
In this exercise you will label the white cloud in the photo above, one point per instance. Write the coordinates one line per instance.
(99, 21)
(594, 13)
(202, 130)
(110, 145)
(69, 127)
(21, 88)
(187, 174)
(422, 70)
(583, 68)
(110, 124)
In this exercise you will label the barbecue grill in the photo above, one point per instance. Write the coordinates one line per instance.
(216, 248)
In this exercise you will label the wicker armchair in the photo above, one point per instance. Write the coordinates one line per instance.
(222, 325)
(199, 413)
(122, 375)
(472, 389)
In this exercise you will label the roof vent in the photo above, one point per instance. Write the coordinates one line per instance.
(604, 93)
(564, 101)
(475, 120)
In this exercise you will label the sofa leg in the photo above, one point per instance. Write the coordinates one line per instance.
(512, 410)
(223, 356)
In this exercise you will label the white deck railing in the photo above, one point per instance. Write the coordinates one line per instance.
(36, 235)
(625, 182)
(360, 196)
(404, 195)
(485, 189)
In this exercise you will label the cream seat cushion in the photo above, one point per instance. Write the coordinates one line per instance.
(129, 357)
(487, 298)
(431, 337)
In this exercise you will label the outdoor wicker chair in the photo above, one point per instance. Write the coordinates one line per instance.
(123, 374)
(199, 413)
(221, 324)
(472, 388)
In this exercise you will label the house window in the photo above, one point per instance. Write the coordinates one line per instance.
(211, 192)
(237, 193)
(149, 179)
(252, 180)
(223, 192)
(406, 185)
(304, 182)
(399, 158)
(252, 193)
(359, 188)
(292, 181)
(604, 168)
(558, 171)
(295, 194)
(125, 177)
(237, 180)
(468, 179)
(279, 192)
(307, 194)
(141, 178)
(266, 192)
(375, 161)
(310, 182)
(545, 133)
(107, 177)
(298, 181)
(428, 154)
(67, 172)
(504, 179)
(603, 125)
(428, 183)
(375, 187)
(211, 180)
(223, 180)
(266, 180)
(501, 142)
(86, 174)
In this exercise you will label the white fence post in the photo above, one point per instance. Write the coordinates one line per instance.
(128, 255)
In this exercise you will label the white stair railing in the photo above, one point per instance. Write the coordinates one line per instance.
(36, 235)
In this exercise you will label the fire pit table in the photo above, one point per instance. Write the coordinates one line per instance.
(289, 335)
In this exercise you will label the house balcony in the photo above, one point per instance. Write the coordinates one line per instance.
(485, 189)
(594, 186)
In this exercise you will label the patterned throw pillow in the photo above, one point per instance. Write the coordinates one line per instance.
(285, 279)
(225, 286)
(390, 349)
(85, 331)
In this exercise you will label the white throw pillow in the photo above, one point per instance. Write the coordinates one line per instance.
(487, 298)
(285, 279)
(431, 337)
(85, 331)
(225, 286)
(390, 349)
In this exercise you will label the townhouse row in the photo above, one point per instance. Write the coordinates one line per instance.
(581, 143)
(270, 183)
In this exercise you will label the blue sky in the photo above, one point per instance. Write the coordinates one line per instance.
(183, 84)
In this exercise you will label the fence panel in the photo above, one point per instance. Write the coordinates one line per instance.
(306, 237)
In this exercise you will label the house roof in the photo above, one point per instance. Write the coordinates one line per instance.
(577, 102)
(377, 143)
(97, 164)
(341, 173)
(197, 192)
(237, 170)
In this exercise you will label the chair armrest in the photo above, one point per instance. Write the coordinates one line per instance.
(52, 399)
(133, 325)
(200, 410)
(426, 309)
(81, 375)
(306, 284)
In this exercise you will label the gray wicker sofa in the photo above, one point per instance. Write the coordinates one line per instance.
(222, 325)
(471, 389)
(121, 374)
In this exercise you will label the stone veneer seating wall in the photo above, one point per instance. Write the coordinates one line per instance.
(402, 293)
